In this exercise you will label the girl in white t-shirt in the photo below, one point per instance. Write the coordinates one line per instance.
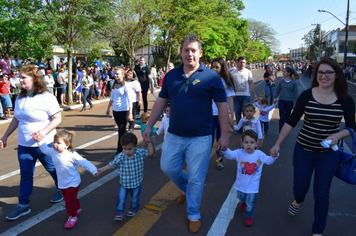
(120, 103)
(66, 162)
(165, 122)
(264, 113)
(249, 171)
(134, 94)
(250, 122)
(220, 67)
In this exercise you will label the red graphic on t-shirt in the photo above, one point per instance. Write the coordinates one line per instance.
(263, 113)
(250, 168)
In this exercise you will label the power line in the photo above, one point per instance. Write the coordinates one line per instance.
(306, 27)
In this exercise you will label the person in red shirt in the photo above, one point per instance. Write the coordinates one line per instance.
(5, 95)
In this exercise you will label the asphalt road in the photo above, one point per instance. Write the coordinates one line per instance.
(96, 140)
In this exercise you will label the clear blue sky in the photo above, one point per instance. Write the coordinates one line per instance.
(292, 19)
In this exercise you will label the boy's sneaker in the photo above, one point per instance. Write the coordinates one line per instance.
(118, 217)
(248, 221)
(18, 212)
(57, 197)
(132, 213)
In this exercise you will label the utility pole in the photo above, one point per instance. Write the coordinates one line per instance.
(346, 34)
(141, 27)
(346, 31)
(319, 51)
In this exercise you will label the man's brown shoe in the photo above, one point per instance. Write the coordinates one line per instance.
(182, 197)
(194, 226)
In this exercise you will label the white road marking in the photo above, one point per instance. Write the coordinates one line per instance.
(226, 214)
(15, 172)
(8, 175)
(36, 219)
(258, 83)
(303, 84)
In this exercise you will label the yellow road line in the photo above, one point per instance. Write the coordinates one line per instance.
(147, 217)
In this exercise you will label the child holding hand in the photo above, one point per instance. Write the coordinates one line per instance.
(250, 122)
(249, 169)
(150, 145)
(130, 164)
(66, 162)
(264, 113)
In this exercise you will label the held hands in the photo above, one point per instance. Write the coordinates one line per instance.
(275, 100)
(146, 134)
(231, 122)
(98, 172)
(38, 136)
(274, 151)
(222, 143)
(232, 126)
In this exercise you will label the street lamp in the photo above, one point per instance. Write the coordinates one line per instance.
(346, 30)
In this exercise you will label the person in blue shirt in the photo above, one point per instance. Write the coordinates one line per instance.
(98, 63)
(16, 61)
(190, 89)
(41, 66)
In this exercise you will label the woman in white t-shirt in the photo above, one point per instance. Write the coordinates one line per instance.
(120, 103)
(61, 79)
(48, 79)
(135, 95)
(220, 67)
(36, 114)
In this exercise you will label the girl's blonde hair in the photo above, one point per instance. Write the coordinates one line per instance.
(145, 114)
(119, 68)
(67, 137)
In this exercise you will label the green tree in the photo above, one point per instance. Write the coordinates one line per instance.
(312, 39)
(71, 20)
(264, 33)
(215, 22)
(256, 51)
(21, 33)
(126, 30)
(93, 54)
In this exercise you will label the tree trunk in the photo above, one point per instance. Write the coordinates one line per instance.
(70, 64)
(169, 49)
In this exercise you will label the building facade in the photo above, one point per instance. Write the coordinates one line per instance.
(297, 54)
(333, 44)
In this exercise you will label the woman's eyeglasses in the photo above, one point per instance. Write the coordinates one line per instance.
(327, 73)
